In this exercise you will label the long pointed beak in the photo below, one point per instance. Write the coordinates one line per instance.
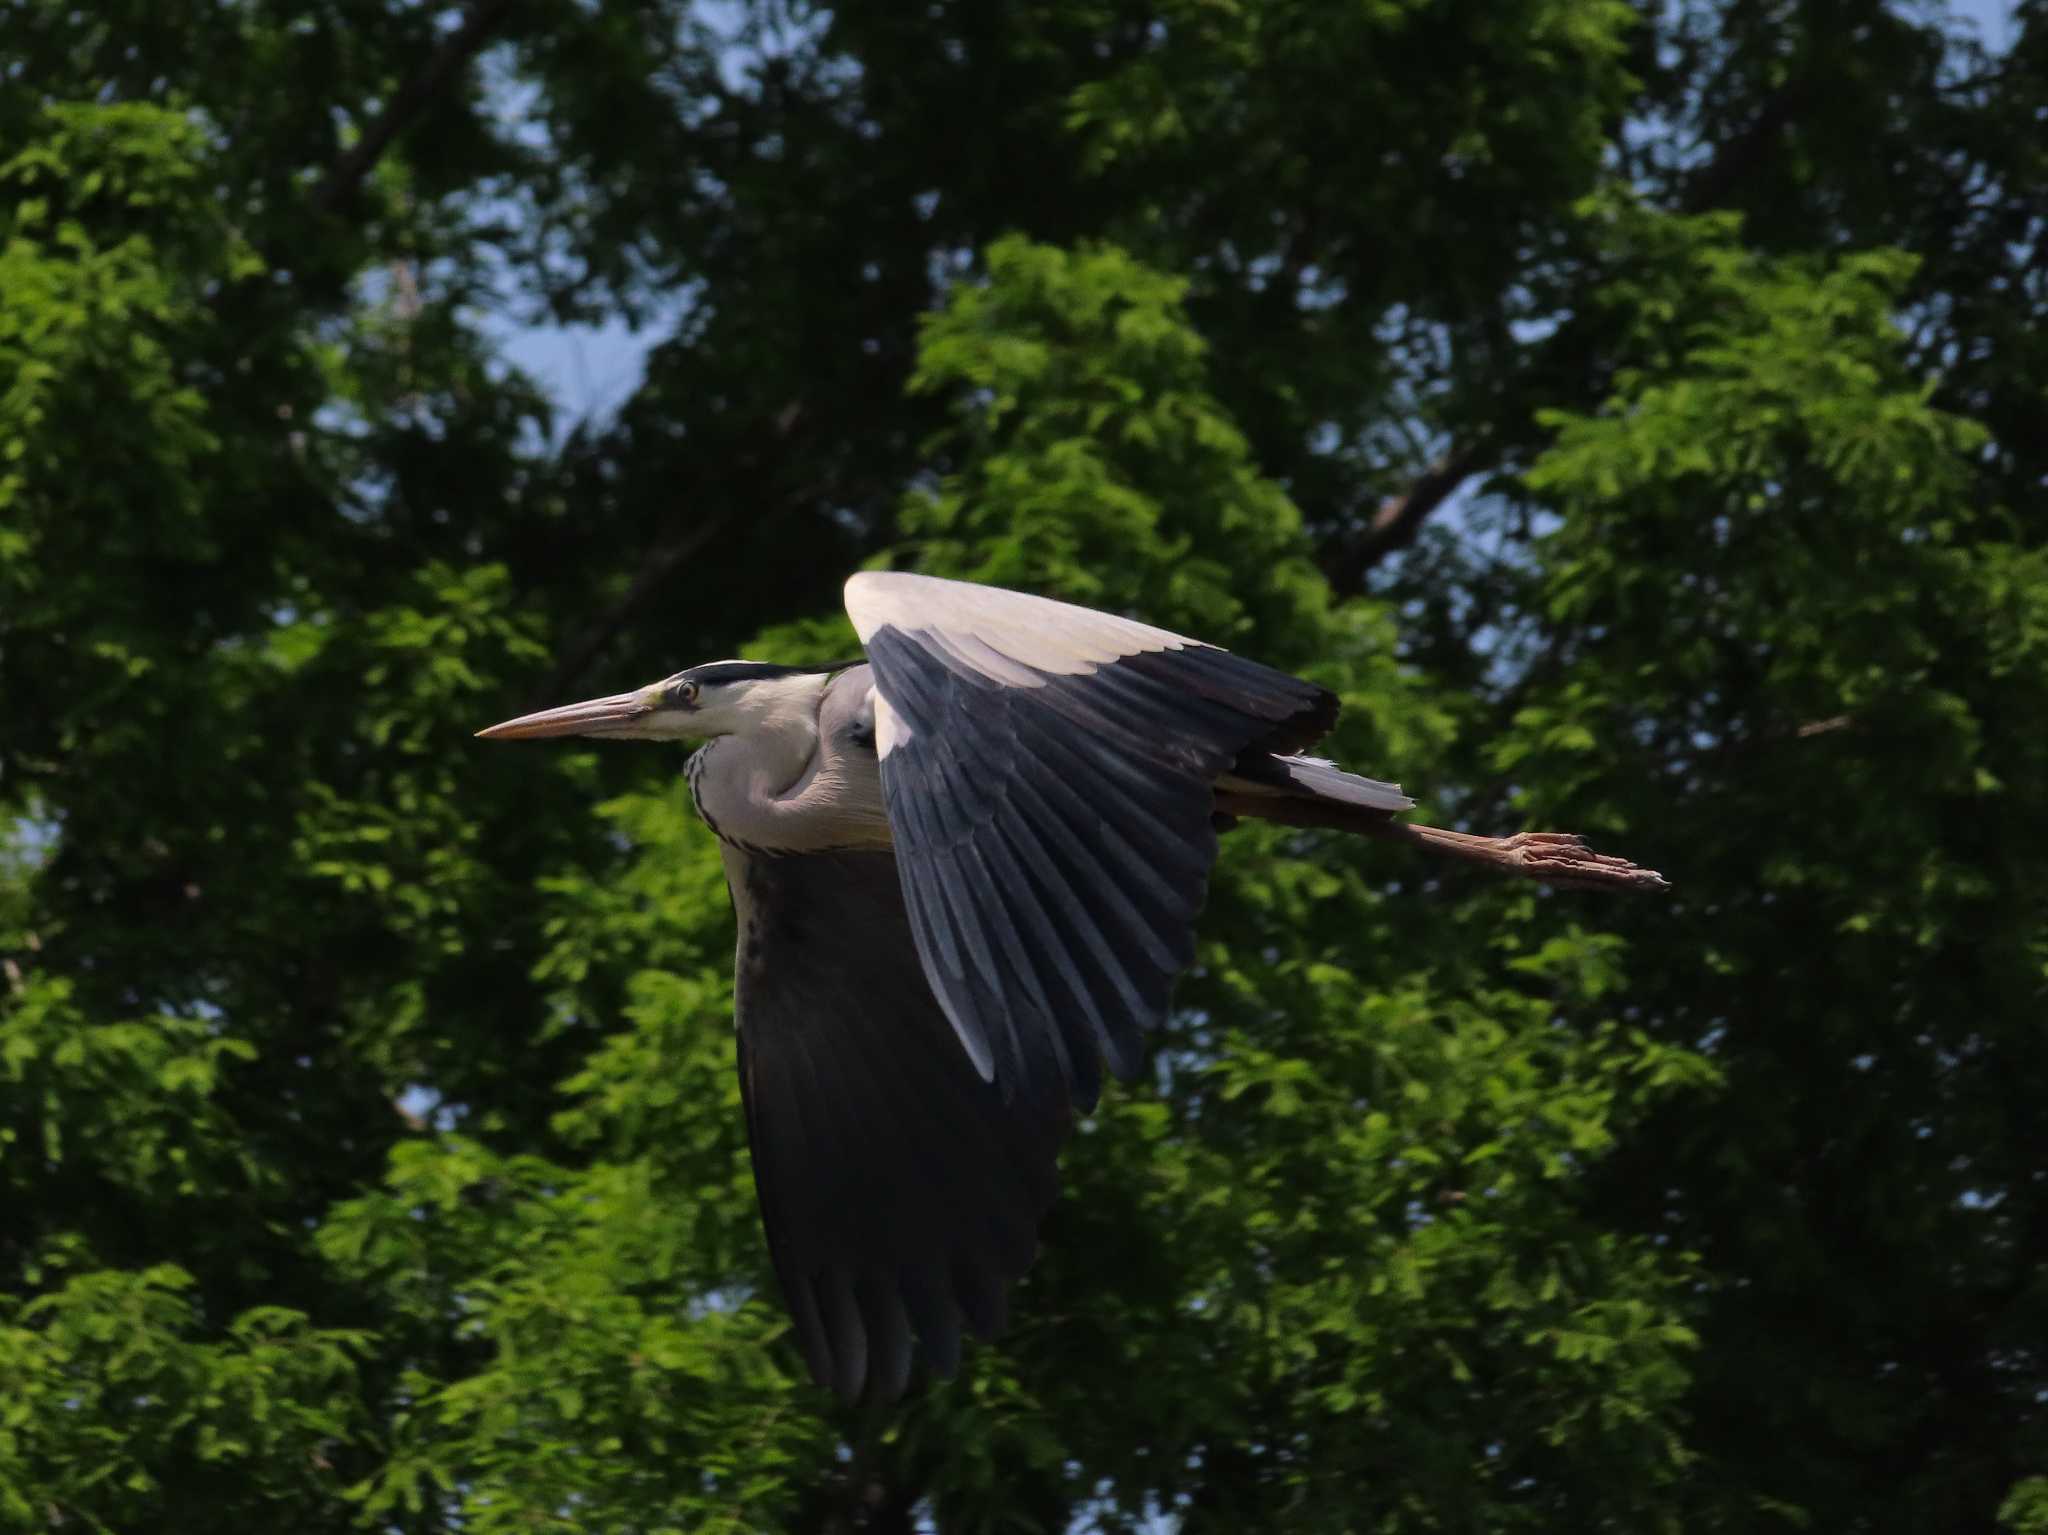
(593, 717)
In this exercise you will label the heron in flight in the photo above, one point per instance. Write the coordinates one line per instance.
(966, 872)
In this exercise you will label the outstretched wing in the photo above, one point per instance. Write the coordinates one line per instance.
(1048, 772)
(901, 1192)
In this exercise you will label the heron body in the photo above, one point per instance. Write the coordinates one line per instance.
(966, 873)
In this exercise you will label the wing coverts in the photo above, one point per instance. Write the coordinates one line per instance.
(1049, 787)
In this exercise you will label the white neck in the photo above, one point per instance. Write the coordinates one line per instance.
(779, 784)
(781, 730)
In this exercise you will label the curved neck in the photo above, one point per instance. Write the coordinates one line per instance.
(783, 785)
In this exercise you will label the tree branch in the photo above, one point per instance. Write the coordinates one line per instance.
(344, 178)
(1738, 156)
(666, 560)
(1400, 518)
(591, 640)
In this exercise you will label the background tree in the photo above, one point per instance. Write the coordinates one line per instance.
(1635, 411)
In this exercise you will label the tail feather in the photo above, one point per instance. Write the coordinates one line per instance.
(1306, 791)
(1323, 779)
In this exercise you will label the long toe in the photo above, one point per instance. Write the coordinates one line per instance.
(1564, 860)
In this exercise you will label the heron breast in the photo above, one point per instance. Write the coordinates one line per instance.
(836, 803)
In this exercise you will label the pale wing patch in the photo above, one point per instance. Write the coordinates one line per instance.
(978, 655)
(997, 633)
(890, 731)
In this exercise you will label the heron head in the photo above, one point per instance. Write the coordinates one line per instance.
(719, 698)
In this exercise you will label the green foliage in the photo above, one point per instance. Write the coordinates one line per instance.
(133, 1100)
(612, 1379)
(1095, 460)
(2026, 1511)
(115, 1382)
(100, 246)
(370, 1152)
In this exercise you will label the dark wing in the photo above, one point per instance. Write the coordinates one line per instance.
(901, 1192)
(1049, 777)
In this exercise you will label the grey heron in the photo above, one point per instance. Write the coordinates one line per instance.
(966, 872)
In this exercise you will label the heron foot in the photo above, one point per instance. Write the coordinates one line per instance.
(1563, 859)
(1548, 857)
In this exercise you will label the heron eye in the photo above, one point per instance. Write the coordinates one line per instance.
(684, 694)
